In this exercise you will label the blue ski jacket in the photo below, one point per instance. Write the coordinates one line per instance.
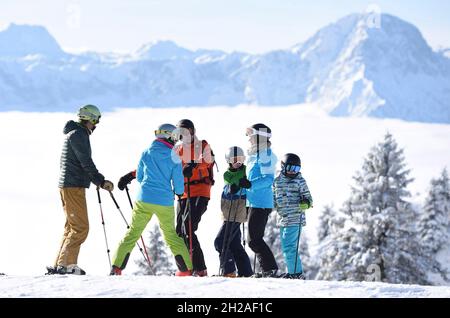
(159, 174)
(261, 172)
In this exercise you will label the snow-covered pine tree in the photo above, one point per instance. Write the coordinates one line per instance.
(435, 219)
(378, 240)
(333, 251)
(434, 224)
(273, 240)
(158, 254)
(308, 264)
(325, 219)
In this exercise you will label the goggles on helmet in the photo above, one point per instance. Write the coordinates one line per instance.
(253, 132)
(238, 159)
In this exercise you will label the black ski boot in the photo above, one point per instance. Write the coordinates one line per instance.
(74, 270)
(267, 274)
(294, 276)
(59, 270)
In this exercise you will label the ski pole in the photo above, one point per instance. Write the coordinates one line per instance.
(104, 228)
(189, 218)
(227, 225)
(243, 234)
(228, 238)
(128, 226)
(232, 235)
(147, 258)
(296, 251)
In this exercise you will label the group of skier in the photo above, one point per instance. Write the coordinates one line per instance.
(179, 165)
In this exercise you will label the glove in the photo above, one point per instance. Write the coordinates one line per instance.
(187, 170)
(125, 180)
(107, 185)
(179, 196)
(244, 183)
(234, 188)
(305, 204)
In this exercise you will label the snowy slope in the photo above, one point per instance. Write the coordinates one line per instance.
(348, 68)
(332, 149)
(210, 287)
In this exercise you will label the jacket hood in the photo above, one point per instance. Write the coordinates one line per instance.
(71, 125)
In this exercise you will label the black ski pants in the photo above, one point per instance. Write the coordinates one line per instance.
(257, 220)
(198, 206)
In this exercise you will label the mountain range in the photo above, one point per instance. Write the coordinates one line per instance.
(348, 68)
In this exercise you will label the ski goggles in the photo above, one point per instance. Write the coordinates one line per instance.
(292, 168)
(253, 132)
(239, 159)
(95, 121)
(164, 132)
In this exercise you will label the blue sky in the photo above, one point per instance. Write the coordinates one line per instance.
(246, 25)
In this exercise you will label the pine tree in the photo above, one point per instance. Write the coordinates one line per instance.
(309, 266)
(434, 223)
(325, 220)
(333, 250)
(273, 240)
(160, 264)
(378, 240)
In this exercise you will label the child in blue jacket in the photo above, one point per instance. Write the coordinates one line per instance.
(291, 198)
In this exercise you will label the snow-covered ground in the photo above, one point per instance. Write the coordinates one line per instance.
(210, 287)
(332, 149)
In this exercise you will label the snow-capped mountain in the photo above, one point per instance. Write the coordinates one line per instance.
(22, 40)
(349, 68)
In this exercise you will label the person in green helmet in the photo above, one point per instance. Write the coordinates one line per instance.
(77, 171)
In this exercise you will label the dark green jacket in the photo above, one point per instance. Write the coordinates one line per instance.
(77, 167)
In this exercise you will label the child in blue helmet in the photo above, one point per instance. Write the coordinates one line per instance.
(291, 199)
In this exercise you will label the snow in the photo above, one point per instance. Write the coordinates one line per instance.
(208, 287)
(162, 50)
(348, 68)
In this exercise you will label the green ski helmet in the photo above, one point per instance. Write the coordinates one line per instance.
(90, 113)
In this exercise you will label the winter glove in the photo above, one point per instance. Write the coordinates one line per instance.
(187, 170)
(234, 189)
(107, 185)
(125, 180)
(244, 183)
(305, 204)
